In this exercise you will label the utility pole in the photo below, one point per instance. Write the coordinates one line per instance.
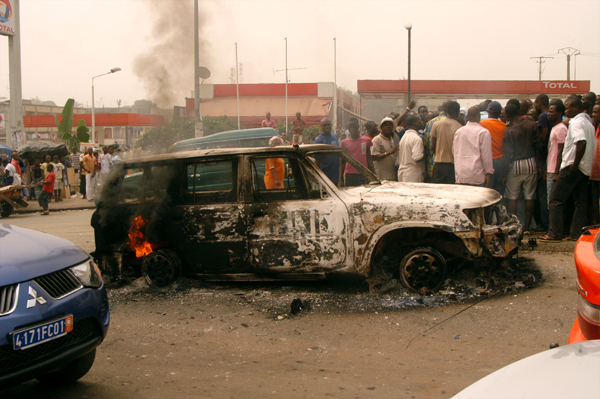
(198, 118)
(286, 90)
(540, 60)
(569, 51)
(335, 99)
(237, 85)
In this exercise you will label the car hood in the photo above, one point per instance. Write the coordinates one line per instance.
(26, 254)
(466, 197)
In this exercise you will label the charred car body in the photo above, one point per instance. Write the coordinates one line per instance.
(208, 213)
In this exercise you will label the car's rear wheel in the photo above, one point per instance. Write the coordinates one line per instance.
(74, 371)
(161, 267)
(423, 269)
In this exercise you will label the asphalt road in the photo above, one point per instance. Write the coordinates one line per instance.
(222, 341)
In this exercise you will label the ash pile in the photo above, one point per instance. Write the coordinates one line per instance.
(282, 300)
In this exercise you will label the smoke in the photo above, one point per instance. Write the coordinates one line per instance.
(166, 68)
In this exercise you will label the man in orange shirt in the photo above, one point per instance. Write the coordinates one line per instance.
(88, 165)
(496, 128)
(274, 167)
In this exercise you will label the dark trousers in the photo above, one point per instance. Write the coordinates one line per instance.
(594, 204)
(82, 185)
(443, 173)
(568, 183)
(354, 179)
(542, 214)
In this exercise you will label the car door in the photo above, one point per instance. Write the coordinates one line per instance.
(208, 218)
(301, 226)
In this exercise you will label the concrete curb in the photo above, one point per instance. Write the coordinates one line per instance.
(38, 209)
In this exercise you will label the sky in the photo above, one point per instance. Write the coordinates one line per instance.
(65, 43)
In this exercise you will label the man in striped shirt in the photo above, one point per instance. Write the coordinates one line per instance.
(519, 153)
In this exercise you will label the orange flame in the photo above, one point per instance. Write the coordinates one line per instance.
(137, 239)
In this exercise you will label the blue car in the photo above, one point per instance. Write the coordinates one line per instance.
(53, 308)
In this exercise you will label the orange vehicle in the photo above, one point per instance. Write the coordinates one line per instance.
(587, 260)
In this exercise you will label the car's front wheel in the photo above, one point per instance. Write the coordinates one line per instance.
(74, 371)
(6, 209)
(161, 268)
(423, 269)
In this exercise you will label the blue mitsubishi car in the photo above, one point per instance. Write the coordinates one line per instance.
(53, 308)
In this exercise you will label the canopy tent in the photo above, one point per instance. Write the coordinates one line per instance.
(5, 150)
(39, 149)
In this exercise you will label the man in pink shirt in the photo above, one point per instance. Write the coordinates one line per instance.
(358, 147)
(472, 150)
(557, 143)
(269, 122)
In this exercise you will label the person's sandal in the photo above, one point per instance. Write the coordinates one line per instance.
(547, 238)
(568, 238)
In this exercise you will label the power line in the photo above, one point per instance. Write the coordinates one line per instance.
(569, 51)
(541, 60)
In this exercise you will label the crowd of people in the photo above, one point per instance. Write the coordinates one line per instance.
(50, 178)
(541, 153)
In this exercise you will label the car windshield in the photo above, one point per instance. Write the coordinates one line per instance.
(369, 176)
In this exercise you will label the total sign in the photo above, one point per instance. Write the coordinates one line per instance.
(7, 18)
(560, 86)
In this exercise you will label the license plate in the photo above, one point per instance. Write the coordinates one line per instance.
(32, 336)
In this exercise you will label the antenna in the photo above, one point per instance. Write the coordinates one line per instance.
(289, 69)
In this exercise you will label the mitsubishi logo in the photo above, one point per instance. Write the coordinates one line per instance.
(31, 302)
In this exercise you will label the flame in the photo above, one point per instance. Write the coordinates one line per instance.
(137, 239)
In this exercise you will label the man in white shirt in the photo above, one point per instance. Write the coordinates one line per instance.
(472, 151)
(411, 152)
(576, 168)
(384, 151)
(105, 161)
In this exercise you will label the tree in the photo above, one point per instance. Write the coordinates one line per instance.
(65, 126)
(161, 138)
(218, 124)
(143, 104)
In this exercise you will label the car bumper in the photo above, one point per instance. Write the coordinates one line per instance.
(576, 335)
(91, 318)
(52, 362)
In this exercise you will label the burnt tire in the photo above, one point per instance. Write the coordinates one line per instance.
(6, 209)
(72, 372)
(423, 269)
(161, 268)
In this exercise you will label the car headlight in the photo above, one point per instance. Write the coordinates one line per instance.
(588, 310)
(88, 273)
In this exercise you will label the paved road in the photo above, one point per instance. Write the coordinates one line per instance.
(71, 225)
(221, 341)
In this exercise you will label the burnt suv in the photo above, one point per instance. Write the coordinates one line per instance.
(209, 213)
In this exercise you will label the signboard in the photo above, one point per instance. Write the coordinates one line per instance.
(2, 125)
(7, 20)
(466, 88)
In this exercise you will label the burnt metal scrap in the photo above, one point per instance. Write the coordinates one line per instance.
(208, 213)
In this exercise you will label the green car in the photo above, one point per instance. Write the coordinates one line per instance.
(232, 139)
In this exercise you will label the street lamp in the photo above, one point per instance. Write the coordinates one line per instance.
(408, 27)
(93, 111)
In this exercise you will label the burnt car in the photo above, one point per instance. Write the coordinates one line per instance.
(209, 213)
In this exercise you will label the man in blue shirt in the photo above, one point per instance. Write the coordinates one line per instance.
(329, 164)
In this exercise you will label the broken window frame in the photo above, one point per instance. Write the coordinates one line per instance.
(202, 197)
(370, 177)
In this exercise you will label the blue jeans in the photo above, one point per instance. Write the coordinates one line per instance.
(549, 186)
